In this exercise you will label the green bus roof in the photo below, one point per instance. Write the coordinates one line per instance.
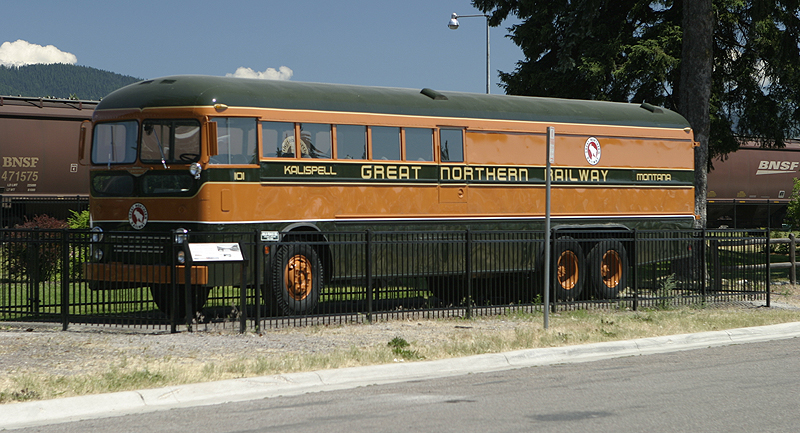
(196, 90)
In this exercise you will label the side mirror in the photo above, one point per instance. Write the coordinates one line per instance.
(211, 139)
(84, 142)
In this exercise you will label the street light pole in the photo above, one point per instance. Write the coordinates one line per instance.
(454, 25)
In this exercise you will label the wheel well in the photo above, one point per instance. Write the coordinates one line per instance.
(590, 235)
(318, 241)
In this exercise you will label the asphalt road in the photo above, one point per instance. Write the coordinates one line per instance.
(738, 388)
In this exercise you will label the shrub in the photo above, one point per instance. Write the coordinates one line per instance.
(78, 220)
(35, 253)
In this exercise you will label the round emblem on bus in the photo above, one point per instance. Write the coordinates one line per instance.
(137, 216)
(592, 151)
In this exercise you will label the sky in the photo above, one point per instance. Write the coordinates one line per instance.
(376, 43)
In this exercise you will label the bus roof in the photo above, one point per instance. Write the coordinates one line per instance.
(196, 90)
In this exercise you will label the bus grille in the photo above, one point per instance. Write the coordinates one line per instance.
(123, 244)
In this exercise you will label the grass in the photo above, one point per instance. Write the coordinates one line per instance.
(458, 337)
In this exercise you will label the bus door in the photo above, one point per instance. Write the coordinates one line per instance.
(453, 188)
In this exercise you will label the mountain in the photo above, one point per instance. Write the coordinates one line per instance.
(61, 81)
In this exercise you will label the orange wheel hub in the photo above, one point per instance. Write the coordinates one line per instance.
(568, 270)
(298, 277)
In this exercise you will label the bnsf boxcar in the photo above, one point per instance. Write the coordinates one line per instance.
(752, 186)
(39, 168)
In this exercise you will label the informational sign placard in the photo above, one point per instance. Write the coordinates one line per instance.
(216, 252)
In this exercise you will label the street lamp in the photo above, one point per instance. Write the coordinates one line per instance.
(453, 24)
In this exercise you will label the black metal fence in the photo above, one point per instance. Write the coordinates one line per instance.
(16, 210)
(140, 279)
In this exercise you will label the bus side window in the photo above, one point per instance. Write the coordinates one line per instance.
(277, 139)
(451, 144)
(386, 143)
(351, 142)
(236, 140)
(315, 140)
(419, 144)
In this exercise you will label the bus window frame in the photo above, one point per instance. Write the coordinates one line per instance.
(254, 159)
(438, 150)
(399, 142)
(403, 142)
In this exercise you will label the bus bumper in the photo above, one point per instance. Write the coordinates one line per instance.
(142, 274)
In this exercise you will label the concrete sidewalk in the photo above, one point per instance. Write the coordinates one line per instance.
(36, 413)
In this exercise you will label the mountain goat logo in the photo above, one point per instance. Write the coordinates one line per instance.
(592, 151)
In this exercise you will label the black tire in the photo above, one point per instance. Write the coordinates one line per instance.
(608, 269)
(297, 279)
(162, 296)
(569, 269)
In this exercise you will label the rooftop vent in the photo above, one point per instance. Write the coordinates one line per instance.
(433, 94)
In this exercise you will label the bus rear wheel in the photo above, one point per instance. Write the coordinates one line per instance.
(569, 269)
(608, 269)
(297, 278)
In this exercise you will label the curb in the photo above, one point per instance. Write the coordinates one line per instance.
(38, 413)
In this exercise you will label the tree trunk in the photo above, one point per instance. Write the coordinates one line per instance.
(695, 89)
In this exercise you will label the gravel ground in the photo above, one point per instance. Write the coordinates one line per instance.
(27, 348)
(39, 348)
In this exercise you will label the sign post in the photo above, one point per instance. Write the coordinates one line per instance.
(551, 139)
(220, 252)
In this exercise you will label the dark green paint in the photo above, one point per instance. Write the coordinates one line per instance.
(193, 90)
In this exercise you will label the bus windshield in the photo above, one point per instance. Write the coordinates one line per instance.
(114, 143)
(166, 141)
(162, 142)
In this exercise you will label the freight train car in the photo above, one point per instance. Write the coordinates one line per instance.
(39, 169)
(751, 187)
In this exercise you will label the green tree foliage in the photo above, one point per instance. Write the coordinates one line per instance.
(630, 50)
(61, 81)
(793, 209)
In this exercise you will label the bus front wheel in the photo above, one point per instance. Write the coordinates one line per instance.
(162, 296)
(297, 278)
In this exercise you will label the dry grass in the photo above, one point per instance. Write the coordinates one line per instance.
(358, 345)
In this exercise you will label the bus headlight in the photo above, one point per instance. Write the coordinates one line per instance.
(181, 236)
(181, 257)
(97, 254)
(97, 234)
(195, 170)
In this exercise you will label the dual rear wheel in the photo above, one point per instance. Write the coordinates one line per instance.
(604, 270)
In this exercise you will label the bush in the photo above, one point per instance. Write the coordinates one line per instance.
(78, 220)
(35, 254)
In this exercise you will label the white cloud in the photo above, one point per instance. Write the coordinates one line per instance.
(282, 73)
(21, 53)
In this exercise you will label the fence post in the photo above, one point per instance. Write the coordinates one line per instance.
(187, 285)
(257, 260)
(242, 297)
(469, 272)
(65, 279)
(635, 266)
(704, 265)
(33, 265)
(173, 286)
(769, 271)
(792, 250)
(368, 270)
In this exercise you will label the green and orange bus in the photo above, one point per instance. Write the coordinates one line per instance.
(216, 153)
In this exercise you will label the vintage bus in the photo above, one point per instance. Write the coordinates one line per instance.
(286, 158)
